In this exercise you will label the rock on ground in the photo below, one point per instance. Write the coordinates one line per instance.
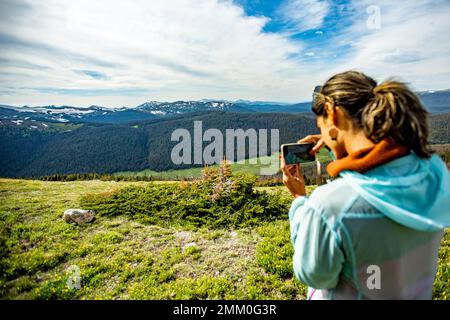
(78, 216)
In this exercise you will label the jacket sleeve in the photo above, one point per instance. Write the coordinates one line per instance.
(318, 258)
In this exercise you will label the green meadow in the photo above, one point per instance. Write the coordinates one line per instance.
(121, 257)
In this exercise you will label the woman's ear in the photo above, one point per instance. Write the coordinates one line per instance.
(331, 112)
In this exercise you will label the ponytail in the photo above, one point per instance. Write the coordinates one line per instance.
(395, 111)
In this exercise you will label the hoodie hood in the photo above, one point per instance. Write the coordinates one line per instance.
(410, 190)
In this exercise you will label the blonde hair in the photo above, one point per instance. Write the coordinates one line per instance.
(389, 109)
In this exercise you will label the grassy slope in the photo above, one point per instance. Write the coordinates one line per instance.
(122, 259)
(240, 166)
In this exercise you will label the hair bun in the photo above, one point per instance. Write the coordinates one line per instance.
(379, 87)
(389, 86)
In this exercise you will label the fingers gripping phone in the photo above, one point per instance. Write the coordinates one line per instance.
(297, 153)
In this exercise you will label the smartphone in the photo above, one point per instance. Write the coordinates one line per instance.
(297, 153)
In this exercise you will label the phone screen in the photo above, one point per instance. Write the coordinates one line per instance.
(298, 153)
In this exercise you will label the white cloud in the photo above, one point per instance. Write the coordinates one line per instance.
(156, 50)
(411, 43)
(304, 14)
(177, 50)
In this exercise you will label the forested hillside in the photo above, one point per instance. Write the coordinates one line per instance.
(440, 128)
(33, 150)
(134, 146)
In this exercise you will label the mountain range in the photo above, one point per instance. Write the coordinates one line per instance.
(145, 111)
(47, 140)
(434, 101)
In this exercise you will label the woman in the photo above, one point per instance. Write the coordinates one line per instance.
(374, 232)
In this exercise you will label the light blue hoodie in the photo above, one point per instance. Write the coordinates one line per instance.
(388, 221)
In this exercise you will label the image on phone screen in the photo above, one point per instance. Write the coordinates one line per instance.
(297, 153)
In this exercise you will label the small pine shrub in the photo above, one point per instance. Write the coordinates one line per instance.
(219, 199)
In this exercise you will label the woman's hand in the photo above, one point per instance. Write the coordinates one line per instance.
(314, 138)
(293, 178)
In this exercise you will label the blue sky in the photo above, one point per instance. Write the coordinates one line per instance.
(330, 18)
(116, 53)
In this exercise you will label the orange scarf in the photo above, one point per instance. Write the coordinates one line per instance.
(368, 158)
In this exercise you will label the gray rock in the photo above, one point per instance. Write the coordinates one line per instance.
(78, 216)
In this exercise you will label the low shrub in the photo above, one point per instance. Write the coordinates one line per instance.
(274, 253)
(220, 199)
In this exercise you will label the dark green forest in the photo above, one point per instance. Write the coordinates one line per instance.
(108, 148)
(135, 146)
